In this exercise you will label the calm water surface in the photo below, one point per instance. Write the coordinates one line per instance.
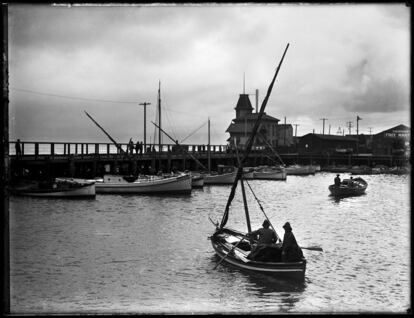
(151, 254)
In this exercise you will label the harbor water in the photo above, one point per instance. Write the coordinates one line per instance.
(151, 254)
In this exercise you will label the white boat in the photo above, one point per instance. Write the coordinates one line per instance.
(270, 173)
(248, 173)
(197, 181)
(224, 175)
(300, 170)
(224, 178)
(152, 185)
(58, 188)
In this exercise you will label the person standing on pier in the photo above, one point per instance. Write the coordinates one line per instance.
(131, 146)
(18, 149)
(138, 147)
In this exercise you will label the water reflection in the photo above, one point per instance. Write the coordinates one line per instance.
(338, 199)
(261, 283)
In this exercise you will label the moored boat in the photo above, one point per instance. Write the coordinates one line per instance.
(270, 173)
(58, 188)
(180, 184)
(300, 170)
(349, 187)
(197, 181)
(225, 175)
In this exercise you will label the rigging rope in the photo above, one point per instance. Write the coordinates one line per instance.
(261, 208)
(194, 131)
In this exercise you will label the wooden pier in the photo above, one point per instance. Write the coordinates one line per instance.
(89, 160)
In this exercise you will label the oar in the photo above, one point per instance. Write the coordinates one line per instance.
(230, 251)
(313, 248)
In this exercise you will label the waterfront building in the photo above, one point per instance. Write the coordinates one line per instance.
(394, 141)
(326, 144)
(275, 134)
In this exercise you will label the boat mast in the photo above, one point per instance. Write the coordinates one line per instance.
(109, 136)
(250, 143)
(208, 152)
(159, 116)
(246, 209)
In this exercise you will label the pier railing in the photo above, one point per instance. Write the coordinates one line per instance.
(36, 148)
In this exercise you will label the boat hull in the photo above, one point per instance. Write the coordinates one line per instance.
(225, 178)
(70, 189)
(300, 170)
(237, 258)
(173, 185)
(197, 181)
(359, 186)
(270, 175)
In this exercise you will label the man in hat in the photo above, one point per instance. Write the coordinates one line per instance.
(291, 252)
(265, 236)
(337, 181)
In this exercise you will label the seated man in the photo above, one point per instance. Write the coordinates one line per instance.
(265, 247)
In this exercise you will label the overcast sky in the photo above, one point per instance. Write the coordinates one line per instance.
(343, 61)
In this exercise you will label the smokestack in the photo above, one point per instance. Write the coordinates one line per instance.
(257, 100)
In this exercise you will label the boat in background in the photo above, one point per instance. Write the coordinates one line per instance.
(349, 187)
(300, 170)
(248, 173)
(270, 173)
(225, 175)
(179, 184)
(57, 188)
(197, 181)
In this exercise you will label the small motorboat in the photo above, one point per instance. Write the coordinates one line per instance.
(349, 187)
(57, 188)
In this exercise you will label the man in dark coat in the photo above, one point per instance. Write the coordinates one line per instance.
(267, 238)
(337, 181)
(291, 252)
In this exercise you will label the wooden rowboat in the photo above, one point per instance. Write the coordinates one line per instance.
(232, 246)
(349, 187)
(225, 240)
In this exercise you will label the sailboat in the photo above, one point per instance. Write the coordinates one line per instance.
(233, 246)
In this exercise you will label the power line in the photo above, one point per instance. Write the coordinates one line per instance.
(71, 97)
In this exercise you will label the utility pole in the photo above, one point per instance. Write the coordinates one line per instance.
(209, 154)
(358, 119)
(284, 135)
(339, 131)
(323, 130)
(349, 123)
(329, 129)
(370, 130)
(145, 124)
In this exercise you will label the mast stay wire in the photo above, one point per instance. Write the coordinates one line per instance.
(261, 208)
(194, 132)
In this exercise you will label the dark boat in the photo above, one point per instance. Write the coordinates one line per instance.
(233, 246)
(57, 188)
(349, 187)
